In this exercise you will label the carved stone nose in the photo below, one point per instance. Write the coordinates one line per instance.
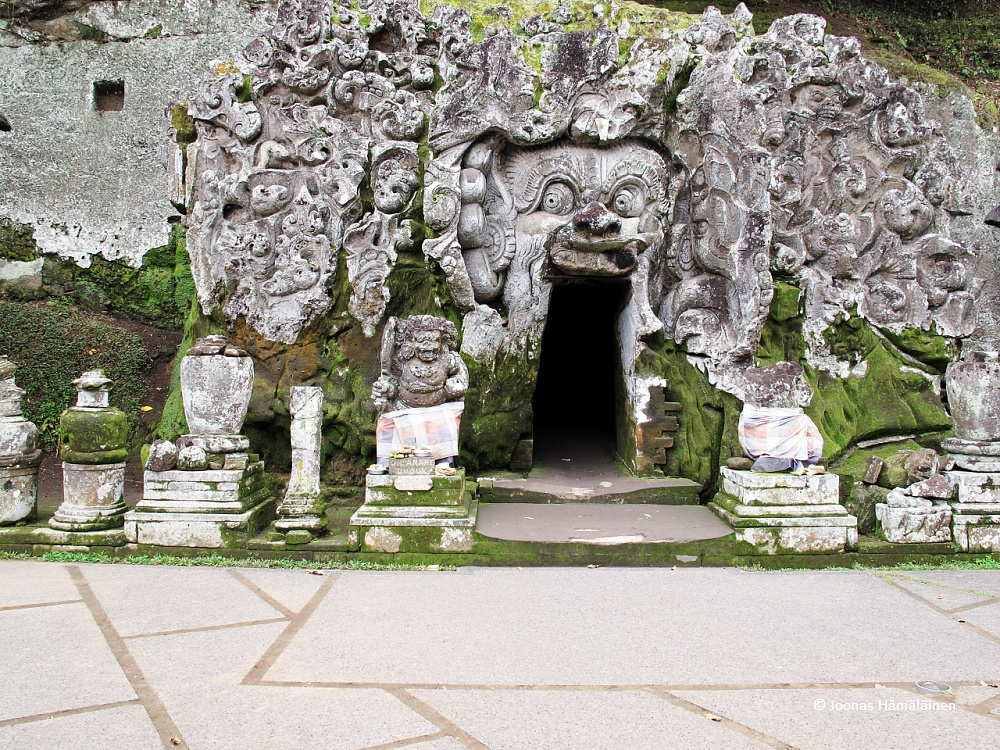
(597, 220)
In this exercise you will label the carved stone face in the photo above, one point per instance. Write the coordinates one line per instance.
(599, 208)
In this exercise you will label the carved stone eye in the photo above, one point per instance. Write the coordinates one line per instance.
(558, 199)
(628, 201)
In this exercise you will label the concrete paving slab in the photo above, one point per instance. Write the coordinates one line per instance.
(488, 626)
(970, 695)
(938, 594)
(579, 720)
(590, 523)
(836, 719)
(143, 599)
(29, 582)
(293, 588)
(982, 581)
(54, 659)
(198, 676)
(987, 618)
(124, 727)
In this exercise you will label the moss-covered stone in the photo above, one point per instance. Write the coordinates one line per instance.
(93, 437)
(17, 241)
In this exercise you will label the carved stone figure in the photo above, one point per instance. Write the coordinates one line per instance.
(773, 429)
(419, 392)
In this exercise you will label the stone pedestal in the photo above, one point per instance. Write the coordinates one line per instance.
(18, 494)
(206, 508)
(416, 513)
(92, 437)
(784, 513)
(302, 509)
(976, 510)
(19, 456)
(92, 497)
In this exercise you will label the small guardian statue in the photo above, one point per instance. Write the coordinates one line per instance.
(419, 393)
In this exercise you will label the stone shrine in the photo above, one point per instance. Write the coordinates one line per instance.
(92, 445)
(19, 454)
(208, 491)
(414, 499)
(974, 397)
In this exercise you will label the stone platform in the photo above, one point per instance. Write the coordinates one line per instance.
(976, 513)
(784, 513)
(597, 524)
(207, 508)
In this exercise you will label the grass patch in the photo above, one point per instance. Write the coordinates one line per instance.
(214, 561)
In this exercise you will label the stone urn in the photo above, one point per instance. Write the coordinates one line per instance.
(216, 384)
(974, 397)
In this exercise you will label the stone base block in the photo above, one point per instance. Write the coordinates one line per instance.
(914, 525)
(93, 497)
(415, 489)
(976, 527)
(751, 488)
(777, 535)
(207, 508)
(976, 487)
(414, 539)
(213, 530)
(43, 535)
(439, 518)
(18, 494)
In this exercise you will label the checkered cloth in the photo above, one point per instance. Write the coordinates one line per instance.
(433, 426)
(779, 433)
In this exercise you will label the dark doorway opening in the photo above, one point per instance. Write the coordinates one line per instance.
(575, 396)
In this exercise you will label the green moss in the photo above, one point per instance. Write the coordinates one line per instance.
(928, 347)
(183, 124)
(17, 241)
(53, 344)
(154, 32)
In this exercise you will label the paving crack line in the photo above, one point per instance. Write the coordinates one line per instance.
(447, 726)
(169, 733)
(223, 626)
(270, 600)
(295, 623)
(950, 614)
(67, 712)
(408, 742)
(724, 720)
(40, 604)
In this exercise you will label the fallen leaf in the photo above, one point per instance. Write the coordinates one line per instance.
(314, 572)
(91, 352)
(175, 740)
(713, 717)
(961, 620)
(593, 566)
(145, 408)
(879, 687)
(939, 597)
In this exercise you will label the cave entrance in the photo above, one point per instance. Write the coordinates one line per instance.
(579, 390)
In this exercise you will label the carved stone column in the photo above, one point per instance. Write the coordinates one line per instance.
(301, 513)
(92, 438)
(19, 456)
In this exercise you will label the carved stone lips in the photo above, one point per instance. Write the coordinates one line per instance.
(578, 254)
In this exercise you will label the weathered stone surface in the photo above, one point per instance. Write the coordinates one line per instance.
(976, 486)
(301, 507)
(974, 397)
(92, 497)
(910, 520)
(19, 454)
(101, 191)
(162, 456)
(192, 458)
(781, 489)
(861, 504)
(216, 384)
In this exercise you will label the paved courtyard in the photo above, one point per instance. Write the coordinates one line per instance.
(143, 657)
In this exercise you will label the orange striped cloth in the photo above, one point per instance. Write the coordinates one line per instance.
(435, 427)
(779, 433)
